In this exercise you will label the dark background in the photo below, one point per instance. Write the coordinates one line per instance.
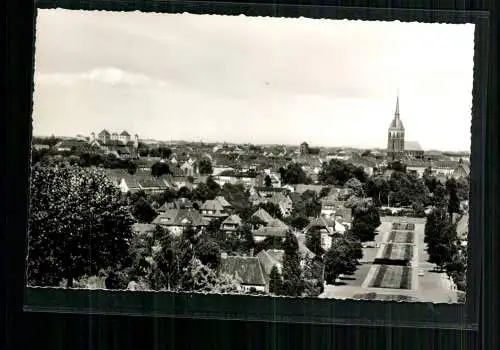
(71, 331)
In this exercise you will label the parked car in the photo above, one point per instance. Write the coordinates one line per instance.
(421, 272)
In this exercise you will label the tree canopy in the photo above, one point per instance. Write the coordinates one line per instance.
(79, 224)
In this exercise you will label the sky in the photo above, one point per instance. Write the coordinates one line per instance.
(252, 79)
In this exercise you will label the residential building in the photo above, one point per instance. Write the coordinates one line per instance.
(231, 223)
(327, 228)
(176, 220)
(283, 202)
(247, 270)
(212, 209)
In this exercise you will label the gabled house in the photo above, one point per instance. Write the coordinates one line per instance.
(247, 270)
(327, 227)
(176, 220)
(266, 192)
(343, 215)
(224, 203)
(271, 228)
(166, 206)
(146, 183)
(301, 188)
(274, 257)
(283, 202)
(212, 209)
(231, 223)
(329, 204)
(70, 145)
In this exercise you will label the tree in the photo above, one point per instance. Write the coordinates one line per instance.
(292, 272)
(275, 281)
(197, 277)
(325, 191)
(79, 224)
(184, 192)
(141, 248)
(238, 196)
(439, 196)
(355, 187)
(294, 174)
(439, 235)
(366, 219)
(159, 169)
(378, 188)
(143, 211)
(453, 200)
(209, 253)
(213, 186)
(267, 181)
(166, 270)
(313, 276)
(456, 268)
(273, 209)
(205, 167)
(131, 168)
(339, 259)
(355, 244)
(337, 172)
(244, 233)
(313, 241)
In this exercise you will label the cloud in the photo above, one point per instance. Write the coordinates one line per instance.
(106, 76)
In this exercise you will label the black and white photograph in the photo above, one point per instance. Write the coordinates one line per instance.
(279, 157)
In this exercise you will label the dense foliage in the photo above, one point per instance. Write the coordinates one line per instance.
(79, 224)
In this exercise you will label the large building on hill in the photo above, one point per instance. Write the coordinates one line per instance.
(120, 144)
(397, 147)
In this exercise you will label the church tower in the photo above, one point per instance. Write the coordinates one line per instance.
(396, 136)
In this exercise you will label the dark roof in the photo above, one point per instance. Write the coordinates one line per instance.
(212, 204)
(223, 201)
(180, 217)
(321, 222)
(248, 269)
(124, 133)
(270, 231)
(263, 215)
(270, 258)
(104, 132)
(344, 213)
(166, 206)
(233, 219)
(269, 189)
(301, 188)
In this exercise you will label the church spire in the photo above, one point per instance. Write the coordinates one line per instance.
(396, 113)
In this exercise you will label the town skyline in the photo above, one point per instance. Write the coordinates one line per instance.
(380, 148)
(198, 80)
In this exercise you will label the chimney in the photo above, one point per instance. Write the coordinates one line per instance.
(92, 136)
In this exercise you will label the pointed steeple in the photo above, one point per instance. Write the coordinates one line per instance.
(396, 122)
(396, 113)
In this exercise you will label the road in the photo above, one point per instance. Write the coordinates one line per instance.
(431, 287)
